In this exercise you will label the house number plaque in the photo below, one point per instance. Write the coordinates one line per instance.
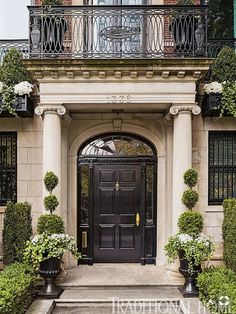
(119, 99)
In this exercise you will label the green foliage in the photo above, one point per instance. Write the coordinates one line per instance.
(17, 230)
(196, 249)
(190, 223)
(52, 2)
(50, 203)
(190, 177)
(50, 223)
(190, 198)
(50, 181)
(44, 246)
(12, 72)
(214, 285)
(16, 286)
(224, 67)
(229, 233)
(228, 100)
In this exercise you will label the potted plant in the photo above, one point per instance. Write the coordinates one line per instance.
(220, 93)
(54, 27)
(189, 244)
(15, 86)
(45, 250)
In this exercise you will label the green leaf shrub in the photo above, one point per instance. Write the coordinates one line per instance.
(224, 67)
(191, 177)
(190, 223)
(228, 99)
(50, 203)
(16, 231)
(217, 285)
(50, 223)
(16, 286)
(229, 233)
(50, 181)
(190, 198)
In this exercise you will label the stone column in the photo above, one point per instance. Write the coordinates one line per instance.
(52, 144)
(182, 155)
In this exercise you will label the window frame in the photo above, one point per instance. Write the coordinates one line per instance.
(13, 168)
(221, 169)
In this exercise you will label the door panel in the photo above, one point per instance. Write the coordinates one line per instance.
(117, 199)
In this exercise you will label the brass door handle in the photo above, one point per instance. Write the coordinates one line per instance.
(137, 219)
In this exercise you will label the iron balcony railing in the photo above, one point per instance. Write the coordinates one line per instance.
(21, 44)
(117, 31)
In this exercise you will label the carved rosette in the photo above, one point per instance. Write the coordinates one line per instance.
(176, 109)
(59, 109)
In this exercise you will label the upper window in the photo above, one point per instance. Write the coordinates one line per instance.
(222, 166)
(117, 146)
(8, 165)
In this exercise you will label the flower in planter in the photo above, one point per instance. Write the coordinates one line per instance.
(196, 249)
(44, 246)
(23, 88)
(213, 88)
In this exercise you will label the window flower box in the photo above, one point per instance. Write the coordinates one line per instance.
(211, 104)
(23, 106)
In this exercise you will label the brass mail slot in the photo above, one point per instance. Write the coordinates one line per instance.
(84, 240)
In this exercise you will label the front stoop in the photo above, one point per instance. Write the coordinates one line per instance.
(112, 300)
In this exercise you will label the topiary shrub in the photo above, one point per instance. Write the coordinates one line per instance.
(16, 231)
(224, 66)
(190, 177)
(190, 198)
(50, 181)
(50, 203)
(16, 288)
(191, 223)
(229, 233)
(50, 223)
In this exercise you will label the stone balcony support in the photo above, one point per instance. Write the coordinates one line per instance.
(182, 154)
(52, 143)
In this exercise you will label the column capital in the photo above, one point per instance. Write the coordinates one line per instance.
(42, 109)
(176, 109)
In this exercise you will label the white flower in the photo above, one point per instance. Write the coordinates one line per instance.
(213, 88)
(1, 87)
(23, 88)
(184, 238)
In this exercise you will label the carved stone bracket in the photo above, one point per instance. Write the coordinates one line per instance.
(41, 109)
(176, 109)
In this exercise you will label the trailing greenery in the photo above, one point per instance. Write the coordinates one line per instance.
(17, 230)
(50, 181)
(229, 233)
(223, 68)
(190, 198)
(217, 290)
(44, 246)
(191, 223)
(52, 2)
(50, 223)
(12, 72)
(190, 178)
(16, 286)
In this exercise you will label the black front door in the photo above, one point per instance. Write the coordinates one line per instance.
(117, 212)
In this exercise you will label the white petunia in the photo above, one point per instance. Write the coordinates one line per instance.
(213, 88)
(184, 238)
(23, 88)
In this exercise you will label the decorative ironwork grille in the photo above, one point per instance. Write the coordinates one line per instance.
(222, 166)
(8, 167)
(21, 44)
